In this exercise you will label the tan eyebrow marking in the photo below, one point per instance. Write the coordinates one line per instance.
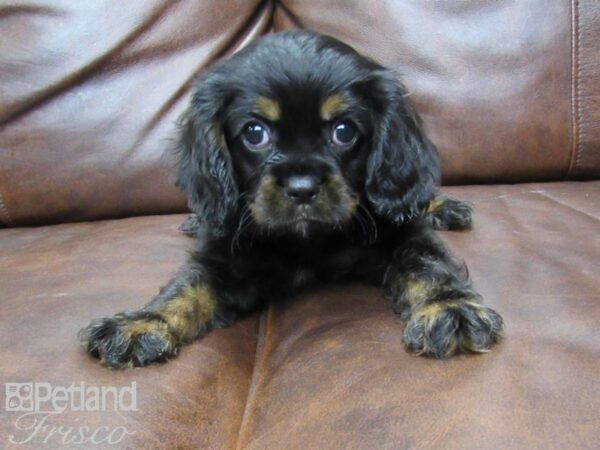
(331, 106)
(268, 108)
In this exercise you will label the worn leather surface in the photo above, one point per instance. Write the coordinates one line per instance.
(492, 80)
(90, 91)
(327, 369)
(332, 371)
(509, 92)
(89, 96)
(53, 280)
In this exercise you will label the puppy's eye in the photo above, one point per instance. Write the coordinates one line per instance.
(344, 134)
(256, 136)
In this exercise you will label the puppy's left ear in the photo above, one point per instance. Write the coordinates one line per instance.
(402, 170)
(204, 168)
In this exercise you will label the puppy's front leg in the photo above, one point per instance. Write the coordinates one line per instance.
(185, 308)
(433, 294)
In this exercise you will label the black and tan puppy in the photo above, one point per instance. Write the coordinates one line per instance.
(304, 163)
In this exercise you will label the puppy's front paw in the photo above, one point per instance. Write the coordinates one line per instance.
(191, 226)
(444, 328)
(446, 213)
(129, 339)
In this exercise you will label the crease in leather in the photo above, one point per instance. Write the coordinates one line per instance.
(287, 12)
(262, 349)
(264, 6)
(563, 204)
(45, 95)
(4, 214)
(251, 27)
(517, 223)
(13, 10)
(575, 89)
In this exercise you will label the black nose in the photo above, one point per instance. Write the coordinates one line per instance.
(302, 189)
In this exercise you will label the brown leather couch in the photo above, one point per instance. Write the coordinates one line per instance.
(509, 92)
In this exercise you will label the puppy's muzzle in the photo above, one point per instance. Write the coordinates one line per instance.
(302, 189)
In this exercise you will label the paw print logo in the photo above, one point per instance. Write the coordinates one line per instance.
(19, 396)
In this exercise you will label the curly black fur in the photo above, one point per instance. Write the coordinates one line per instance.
(304, 163)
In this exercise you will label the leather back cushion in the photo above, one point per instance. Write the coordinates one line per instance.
(509, 91)
(89, 91)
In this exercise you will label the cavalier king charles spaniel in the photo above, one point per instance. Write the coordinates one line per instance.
(304, 163)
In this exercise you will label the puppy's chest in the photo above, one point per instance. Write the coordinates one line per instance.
(293, 267)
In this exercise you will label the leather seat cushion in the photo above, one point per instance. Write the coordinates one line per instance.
(327, 369)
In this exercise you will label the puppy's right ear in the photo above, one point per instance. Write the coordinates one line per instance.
(204, 168)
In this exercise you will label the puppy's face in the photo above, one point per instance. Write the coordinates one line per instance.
(296, 132)
(299, 149)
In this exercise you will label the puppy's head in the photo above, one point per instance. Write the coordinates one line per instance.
(295, 132)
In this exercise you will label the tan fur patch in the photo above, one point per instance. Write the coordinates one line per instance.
(416, 291)
(435, 204)
(138, 327)
(268, 108)
(336, 193)
(437, 307)
(187, 312)
(332, 105)
(432, 310)
(268, 194)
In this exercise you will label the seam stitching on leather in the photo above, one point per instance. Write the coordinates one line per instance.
(577, 107)
(4, 214)
(575, 89)
(259, 360)
(580, 121)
